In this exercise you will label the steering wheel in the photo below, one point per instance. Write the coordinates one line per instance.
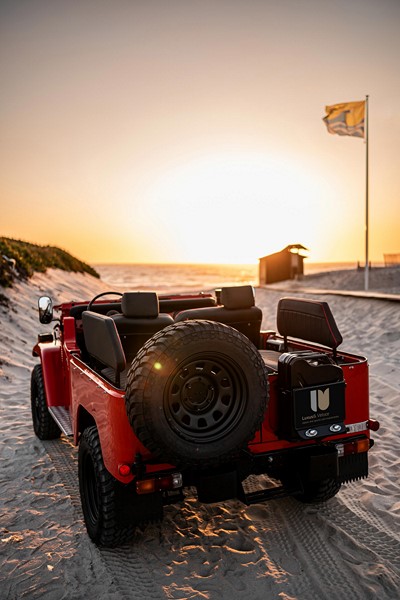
(93, 300)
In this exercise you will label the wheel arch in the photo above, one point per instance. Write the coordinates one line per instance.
(83, 420)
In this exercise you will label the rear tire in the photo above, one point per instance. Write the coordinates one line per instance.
(44, 425)
(111, 510)
(315, 492)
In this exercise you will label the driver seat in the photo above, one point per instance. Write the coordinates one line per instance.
(139, 321)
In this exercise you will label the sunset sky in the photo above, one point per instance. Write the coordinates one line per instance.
(191, 130)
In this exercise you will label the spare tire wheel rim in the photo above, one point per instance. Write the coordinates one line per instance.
(205, 397)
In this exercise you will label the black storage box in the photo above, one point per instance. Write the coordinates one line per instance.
(311, 396)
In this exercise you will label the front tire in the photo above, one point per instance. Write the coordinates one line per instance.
(44, 425)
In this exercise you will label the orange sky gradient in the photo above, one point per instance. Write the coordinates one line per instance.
(191, 131)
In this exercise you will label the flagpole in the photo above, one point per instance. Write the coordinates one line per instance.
(366, 270)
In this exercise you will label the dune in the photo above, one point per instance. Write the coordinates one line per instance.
(348, 547)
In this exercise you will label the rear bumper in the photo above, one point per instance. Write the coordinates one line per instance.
(302, 467)
(342, 461)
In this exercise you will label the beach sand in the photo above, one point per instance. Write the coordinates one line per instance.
(348, 547)
(384, 280)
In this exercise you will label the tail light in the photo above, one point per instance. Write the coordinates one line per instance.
(124, 470)
(353, 447)
(172, 481)
(373, 424)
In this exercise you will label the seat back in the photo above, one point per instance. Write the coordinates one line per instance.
(102, 341)
(139, 321)
(238, 310)
(309, 320)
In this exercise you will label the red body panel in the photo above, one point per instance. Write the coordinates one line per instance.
(119, 444)
(357, 392)
(357, 407)
(107, 407)
(53, 368)
(72, 383)
(70, 334)
(106, 404)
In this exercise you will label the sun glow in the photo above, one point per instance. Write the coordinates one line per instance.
(234, 208)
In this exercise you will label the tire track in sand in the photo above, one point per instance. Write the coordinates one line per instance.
(340, 552)
(128, 568)
(283, 547)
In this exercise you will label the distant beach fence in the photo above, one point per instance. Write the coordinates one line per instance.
(391, 259)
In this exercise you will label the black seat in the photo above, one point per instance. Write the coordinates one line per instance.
(238, 310)
(307, 320)
(139, 321)
(103, 343)
(310, 320)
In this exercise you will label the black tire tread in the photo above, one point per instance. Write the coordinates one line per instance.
(44, 425)
(108, 532)
(319, 491)
(142, 366)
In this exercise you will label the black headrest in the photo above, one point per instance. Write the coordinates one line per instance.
(237, 297)
(140, 304)
(310, 320)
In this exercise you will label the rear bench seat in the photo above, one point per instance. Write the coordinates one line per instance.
(238, 310)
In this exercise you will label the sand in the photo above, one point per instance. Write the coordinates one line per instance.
(346, 548)
(383, 282)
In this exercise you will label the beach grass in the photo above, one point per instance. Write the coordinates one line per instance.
(20, 260)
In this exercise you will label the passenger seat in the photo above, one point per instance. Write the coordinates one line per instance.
(238, 310)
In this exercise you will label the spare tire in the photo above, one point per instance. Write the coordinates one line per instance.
(197, 392)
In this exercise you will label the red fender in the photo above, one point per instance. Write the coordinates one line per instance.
(53, 373)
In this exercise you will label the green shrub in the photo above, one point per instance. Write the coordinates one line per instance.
(31, 258)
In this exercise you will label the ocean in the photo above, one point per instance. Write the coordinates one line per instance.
(164, 278)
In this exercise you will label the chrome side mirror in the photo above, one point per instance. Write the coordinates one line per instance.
(45, 305)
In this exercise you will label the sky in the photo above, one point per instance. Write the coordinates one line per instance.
(191, 130)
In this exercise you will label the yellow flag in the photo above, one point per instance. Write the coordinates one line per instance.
(347, 118)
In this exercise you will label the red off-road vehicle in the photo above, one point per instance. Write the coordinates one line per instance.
(171, 391)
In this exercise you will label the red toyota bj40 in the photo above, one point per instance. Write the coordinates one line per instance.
(168, 392)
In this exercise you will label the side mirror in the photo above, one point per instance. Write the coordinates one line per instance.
(45, 309)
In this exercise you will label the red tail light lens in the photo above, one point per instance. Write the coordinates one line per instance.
(373, 425)
(124, 470)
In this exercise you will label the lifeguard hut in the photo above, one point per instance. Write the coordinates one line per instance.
(286, 264)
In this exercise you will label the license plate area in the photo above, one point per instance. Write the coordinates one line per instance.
(319, 410)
